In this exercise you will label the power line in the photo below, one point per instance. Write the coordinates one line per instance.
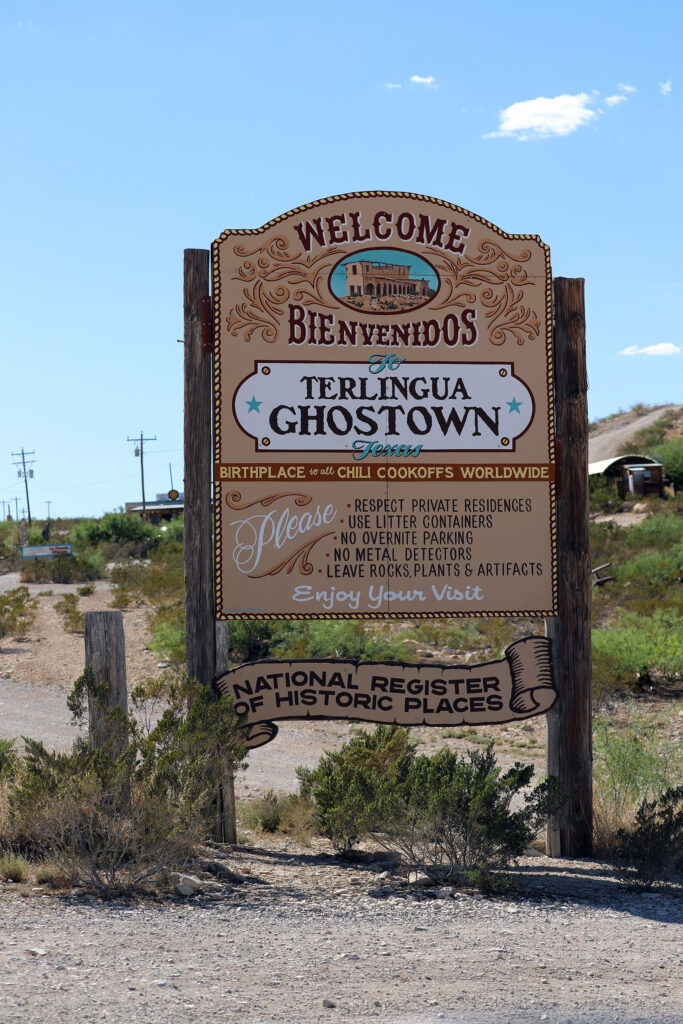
(23, 472)
(140, 452)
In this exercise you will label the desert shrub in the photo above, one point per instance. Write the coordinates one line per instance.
(8, 759)
(344, 784)
(17, 612)
(49, 873)
(113, 818)
(636, 651)
(116, 528)
(457, 634)
(652, 574)
(251, 640)
(173, 531)
(351, 640)
(268, 811)
(631, 762)
(602, 496)
(86, 590)
(297, 818)
(670, 454)
(651, 850)
(167, 624)
(73, 620)
(13, 868)
(64, 568)
(160, 583)
(451, 817)
(657, 531)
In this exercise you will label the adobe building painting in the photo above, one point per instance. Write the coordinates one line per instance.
(385, 281)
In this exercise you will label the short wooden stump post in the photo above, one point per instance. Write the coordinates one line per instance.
(105, 651)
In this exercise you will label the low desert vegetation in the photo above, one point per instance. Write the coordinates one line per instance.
(446, 815)
(374, 786)
(17, 612)
(120, 817)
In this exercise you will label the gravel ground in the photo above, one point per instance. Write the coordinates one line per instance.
(573, 950)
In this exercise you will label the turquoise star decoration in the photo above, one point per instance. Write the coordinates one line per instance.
(254, 406)
(514, 405)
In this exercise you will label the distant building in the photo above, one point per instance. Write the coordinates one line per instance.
(631, 475)
(158, 510)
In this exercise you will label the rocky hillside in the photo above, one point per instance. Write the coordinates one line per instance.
(608, 436)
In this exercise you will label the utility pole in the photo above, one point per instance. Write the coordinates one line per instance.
(140, 453)
(48, 503)
(23, 472)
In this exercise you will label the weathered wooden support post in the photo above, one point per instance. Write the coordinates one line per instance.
(105, 651)
(227, 783)
(199, 608)
(201, 637)
(569, 752)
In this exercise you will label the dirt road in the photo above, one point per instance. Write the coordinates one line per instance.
(605, 441)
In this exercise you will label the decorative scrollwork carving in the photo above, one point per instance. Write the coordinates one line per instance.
(299, 558)
(500, 279)
(233, 499)
(278, 275)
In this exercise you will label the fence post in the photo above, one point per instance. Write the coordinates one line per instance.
(105, 651)
(569, 721)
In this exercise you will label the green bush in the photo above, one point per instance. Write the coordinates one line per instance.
(451, 817)
(351, 640)
(670, 454)
(252, 639)
(603, 497)
(268, 811)
(64, 569)
(17, 612)
(652, 849)
(114, 527)
(73, 620)
(631, 762)
(13, 868)
(636, 651)
(168, 634)
(8, 759)
(344, 783)
(115, 817)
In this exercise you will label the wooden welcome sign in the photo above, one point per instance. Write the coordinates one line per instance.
(383, 415)
(388, 374)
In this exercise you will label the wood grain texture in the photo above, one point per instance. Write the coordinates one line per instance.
(199, 604)
(105, 651)
(569, 721)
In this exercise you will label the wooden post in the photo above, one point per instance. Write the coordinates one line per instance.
(228, 821)
(569, 752)
(199, 608)
(105, 651)
(207, 641)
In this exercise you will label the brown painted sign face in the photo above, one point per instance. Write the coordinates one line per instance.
(516, 687)
(383, 412)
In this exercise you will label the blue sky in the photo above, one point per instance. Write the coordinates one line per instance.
(134, 130)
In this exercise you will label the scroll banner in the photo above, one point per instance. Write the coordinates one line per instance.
(518, 686)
